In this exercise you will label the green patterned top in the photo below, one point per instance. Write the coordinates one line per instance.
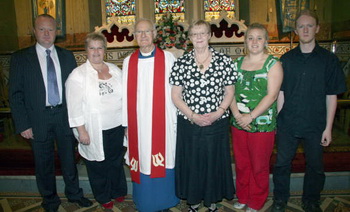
(250, 89)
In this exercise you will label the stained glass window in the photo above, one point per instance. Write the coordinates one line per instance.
(124, 9)
(176, 7)
(213, 8)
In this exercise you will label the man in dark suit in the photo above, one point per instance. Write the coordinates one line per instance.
(38, 106)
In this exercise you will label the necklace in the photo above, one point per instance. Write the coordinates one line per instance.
(200, 64)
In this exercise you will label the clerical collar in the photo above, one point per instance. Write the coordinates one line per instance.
(147, 55)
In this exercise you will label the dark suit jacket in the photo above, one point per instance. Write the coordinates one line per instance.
(27, 93)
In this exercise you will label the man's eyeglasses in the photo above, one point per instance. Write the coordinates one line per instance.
(147, 32)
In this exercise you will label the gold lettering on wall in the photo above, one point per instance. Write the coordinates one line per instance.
(233, 51)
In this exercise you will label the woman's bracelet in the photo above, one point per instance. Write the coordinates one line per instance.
(191, 118)
(222, 108)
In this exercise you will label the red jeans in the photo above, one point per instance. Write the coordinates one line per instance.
(252, 152)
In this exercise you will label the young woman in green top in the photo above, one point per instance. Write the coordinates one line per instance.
(254, 112)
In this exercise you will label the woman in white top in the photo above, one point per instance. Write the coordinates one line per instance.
(94, 101)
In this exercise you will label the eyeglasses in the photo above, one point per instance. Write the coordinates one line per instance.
(147, 32)
(200, 34)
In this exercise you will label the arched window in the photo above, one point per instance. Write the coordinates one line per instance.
(176, 7)
(123, 9)
(212, 8)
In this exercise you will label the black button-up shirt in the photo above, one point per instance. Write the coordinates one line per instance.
(308, 79)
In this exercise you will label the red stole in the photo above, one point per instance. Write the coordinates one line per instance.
(158, 117)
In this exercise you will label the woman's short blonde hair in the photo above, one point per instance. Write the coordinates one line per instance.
(95, 36)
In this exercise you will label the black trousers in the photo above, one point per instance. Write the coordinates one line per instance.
(314, 178)
(107, 178)
(44, 156)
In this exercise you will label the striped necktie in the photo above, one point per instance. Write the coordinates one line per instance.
(52, 87)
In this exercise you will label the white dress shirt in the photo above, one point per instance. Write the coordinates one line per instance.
(41, 52)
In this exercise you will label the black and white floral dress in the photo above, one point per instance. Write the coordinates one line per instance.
(203, 160)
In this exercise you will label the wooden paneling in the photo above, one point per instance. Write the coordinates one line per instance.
(77, 16)
(8, 27)
(24, 21)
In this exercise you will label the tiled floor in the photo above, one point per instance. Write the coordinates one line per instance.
(335, 201)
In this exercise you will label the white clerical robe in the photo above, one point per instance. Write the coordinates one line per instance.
(144, 111)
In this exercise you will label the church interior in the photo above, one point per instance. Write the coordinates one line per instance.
(115, 19)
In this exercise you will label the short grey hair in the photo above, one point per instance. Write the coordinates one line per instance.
(199, 23)
(146, 20)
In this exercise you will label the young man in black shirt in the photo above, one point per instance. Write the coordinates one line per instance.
(307, 103)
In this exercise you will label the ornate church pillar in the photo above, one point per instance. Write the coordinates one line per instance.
(194, 10)
(145, 9)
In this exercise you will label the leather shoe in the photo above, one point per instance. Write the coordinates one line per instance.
(108, 205)
(278, 206)
(312, 206)
(120, 199)
(82, 202)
